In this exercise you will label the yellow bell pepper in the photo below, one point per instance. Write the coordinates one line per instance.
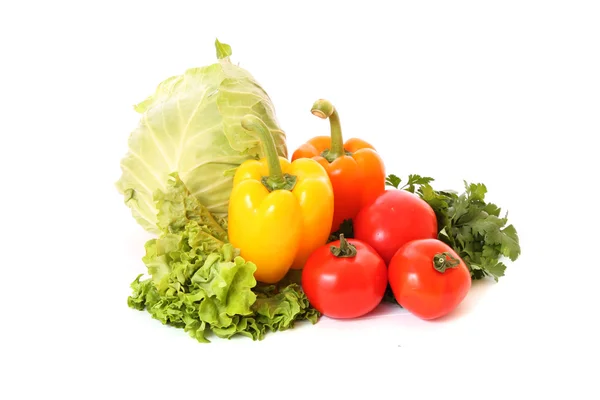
(279, 212)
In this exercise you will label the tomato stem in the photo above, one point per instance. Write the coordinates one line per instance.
(276, 180)
(443, 261)
(346, 249)
(324, 109)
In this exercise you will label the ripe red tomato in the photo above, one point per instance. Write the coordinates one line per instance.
(393, 219)
(428, 278)
(344, 279)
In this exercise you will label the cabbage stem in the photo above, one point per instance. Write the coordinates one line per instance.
(276, 180)
(324, 109)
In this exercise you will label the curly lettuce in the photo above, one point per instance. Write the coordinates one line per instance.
(199, 282)
(191, 126)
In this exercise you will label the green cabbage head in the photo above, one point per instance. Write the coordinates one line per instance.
(191, 126)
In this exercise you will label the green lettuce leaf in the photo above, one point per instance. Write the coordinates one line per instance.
(176, 207)
(197, 291)
(191, 126)
(199, 282)
(277, 310)
(216, 292)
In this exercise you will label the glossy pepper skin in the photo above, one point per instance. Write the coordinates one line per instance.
(356, 171)
(279, 212)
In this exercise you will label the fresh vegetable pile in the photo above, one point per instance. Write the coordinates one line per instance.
(249, 242)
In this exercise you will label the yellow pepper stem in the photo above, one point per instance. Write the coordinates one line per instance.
(276, 180)
(324, 109)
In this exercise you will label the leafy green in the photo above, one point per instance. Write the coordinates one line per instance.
(200, 292)
(176, 207)
(278, 307)
(199, 282)
(413, 180)
(469, 224)
(223, 50)
(191, 125)
(217, 293)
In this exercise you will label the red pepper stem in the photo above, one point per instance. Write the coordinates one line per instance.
(346, 249)
(276, 179)
(324, 109)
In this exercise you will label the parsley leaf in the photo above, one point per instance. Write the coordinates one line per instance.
(393, 180)
(410, 185)
(414, 180)
(509, 245)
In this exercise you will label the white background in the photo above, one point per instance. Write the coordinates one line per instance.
(505, 93)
